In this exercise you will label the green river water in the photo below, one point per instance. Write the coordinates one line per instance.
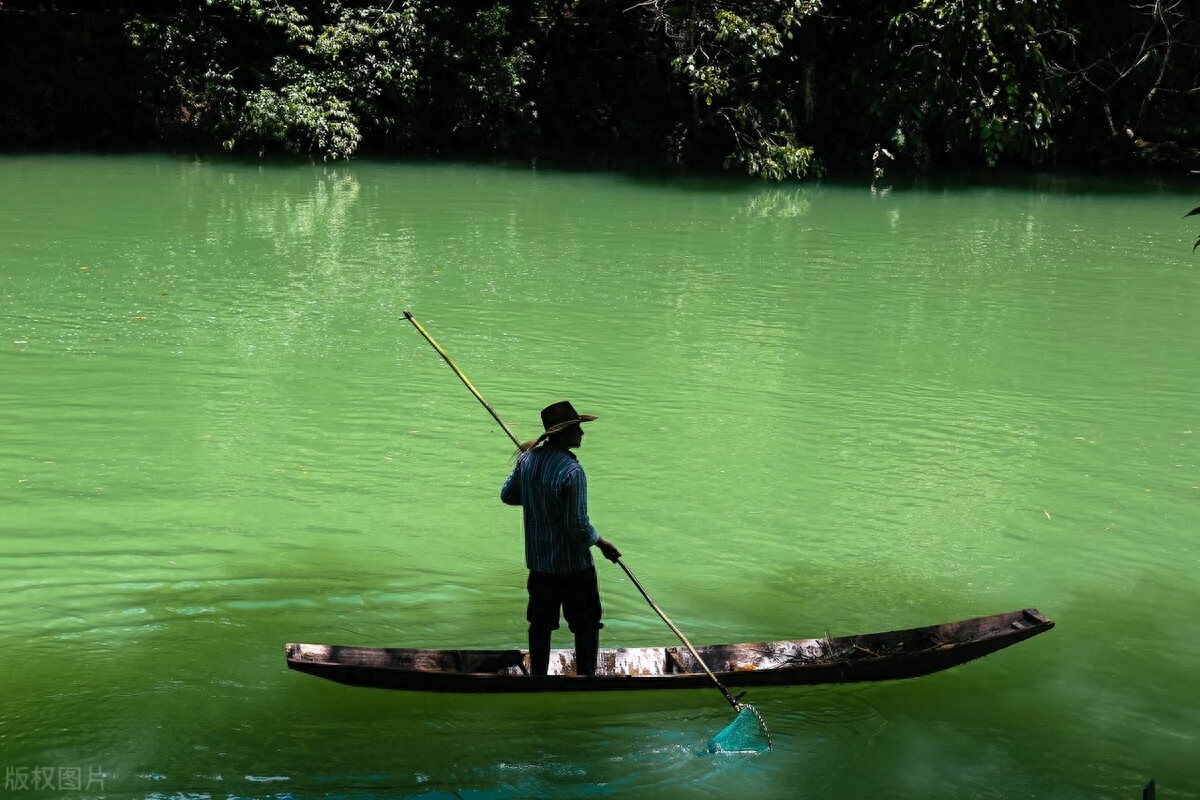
(823, 410)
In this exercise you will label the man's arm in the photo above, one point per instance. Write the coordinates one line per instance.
(510, 493)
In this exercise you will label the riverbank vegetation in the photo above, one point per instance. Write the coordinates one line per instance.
(777, 88)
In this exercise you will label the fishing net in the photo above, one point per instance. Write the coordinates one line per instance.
(746, 734)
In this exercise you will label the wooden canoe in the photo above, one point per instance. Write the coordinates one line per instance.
(842, 659)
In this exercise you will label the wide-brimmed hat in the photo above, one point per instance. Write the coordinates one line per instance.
(562, 415)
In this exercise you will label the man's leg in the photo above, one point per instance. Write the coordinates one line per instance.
(587, 650)
(581, 607)
(542, 614)
(539, 651)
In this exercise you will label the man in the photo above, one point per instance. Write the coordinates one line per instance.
(549, 485)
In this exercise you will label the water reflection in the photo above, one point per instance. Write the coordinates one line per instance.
(779, 203)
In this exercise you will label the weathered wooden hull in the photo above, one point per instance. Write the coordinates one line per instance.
(844, 659)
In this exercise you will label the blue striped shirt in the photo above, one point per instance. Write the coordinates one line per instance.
(549, 485)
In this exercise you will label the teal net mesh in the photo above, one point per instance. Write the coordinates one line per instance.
(746, 734)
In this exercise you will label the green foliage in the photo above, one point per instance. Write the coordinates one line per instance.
(302, 115)
(971, 79)
(770, 150)
(739, 72)
(774, 88)
(322, 78)
(475, 89)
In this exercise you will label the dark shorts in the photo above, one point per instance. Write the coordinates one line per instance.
(575, 593)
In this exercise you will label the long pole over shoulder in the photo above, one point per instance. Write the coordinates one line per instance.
(733, 701)
(445, 357)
